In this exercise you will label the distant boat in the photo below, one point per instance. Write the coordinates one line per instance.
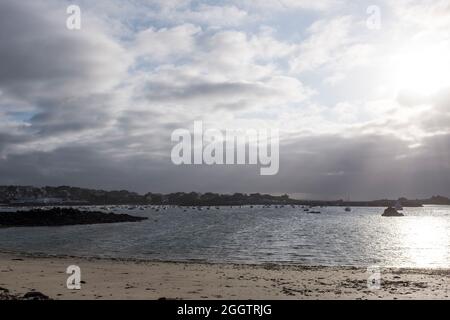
(348, 209)
(398, 206)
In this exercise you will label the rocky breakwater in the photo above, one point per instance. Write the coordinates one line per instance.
(61, 217)
(391, 212)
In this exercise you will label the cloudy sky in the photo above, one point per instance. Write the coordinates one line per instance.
(362, 111)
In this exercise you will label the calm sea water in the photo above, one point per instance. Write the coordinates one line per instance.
(255, 235)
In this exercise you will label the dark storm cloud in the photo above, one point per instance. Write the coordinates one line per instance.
(325, 167)
(370, 166)
(72, 115)
(7, 139)
(62, 77)
(40, 57)
(197, 90)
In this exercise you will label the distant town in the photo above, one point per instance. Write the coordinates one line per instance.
(64, 195)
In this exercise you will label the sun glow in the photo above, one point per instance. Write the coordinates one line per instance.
(422, 69)
(425, 241)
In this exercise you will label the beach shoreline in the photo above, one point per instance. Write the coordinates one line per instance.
(112, 278)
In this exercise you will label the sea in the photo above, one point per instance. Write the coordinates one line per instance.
(252, 235)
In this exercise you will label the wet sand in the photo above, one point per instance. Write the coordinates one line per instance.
(119, 279)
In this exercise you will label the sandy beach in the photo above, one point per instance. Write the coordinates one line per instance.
(117, 279)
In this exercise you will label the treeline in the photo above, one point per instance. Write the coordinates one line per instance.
(65, 195)
(18, 195)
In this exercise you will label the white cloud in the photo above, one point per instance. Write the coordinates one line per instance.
(268, 5)
(326, 40)
(162, 44)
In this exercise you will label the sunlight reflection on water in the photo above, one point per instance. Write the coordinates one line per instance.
(256, 235)
(425, 240)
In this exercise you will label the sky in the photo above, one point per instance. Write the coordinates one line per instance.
(360, 92)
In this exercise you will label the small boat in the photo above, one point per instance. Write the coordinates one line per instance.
(348, 209)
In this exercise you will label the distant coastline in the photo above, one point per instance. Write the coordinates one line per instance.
(73, 196)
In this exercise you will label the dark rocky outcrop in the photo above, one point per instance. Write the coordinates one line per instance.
(391, 212)
(61, 217)
(32, 295)
(35, 295)
(6, 295)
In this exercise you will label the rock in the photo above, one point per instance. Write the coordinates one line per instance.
(391, 212)
(61, 217)
(35, 295)
(7, 296)
(32, 295)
